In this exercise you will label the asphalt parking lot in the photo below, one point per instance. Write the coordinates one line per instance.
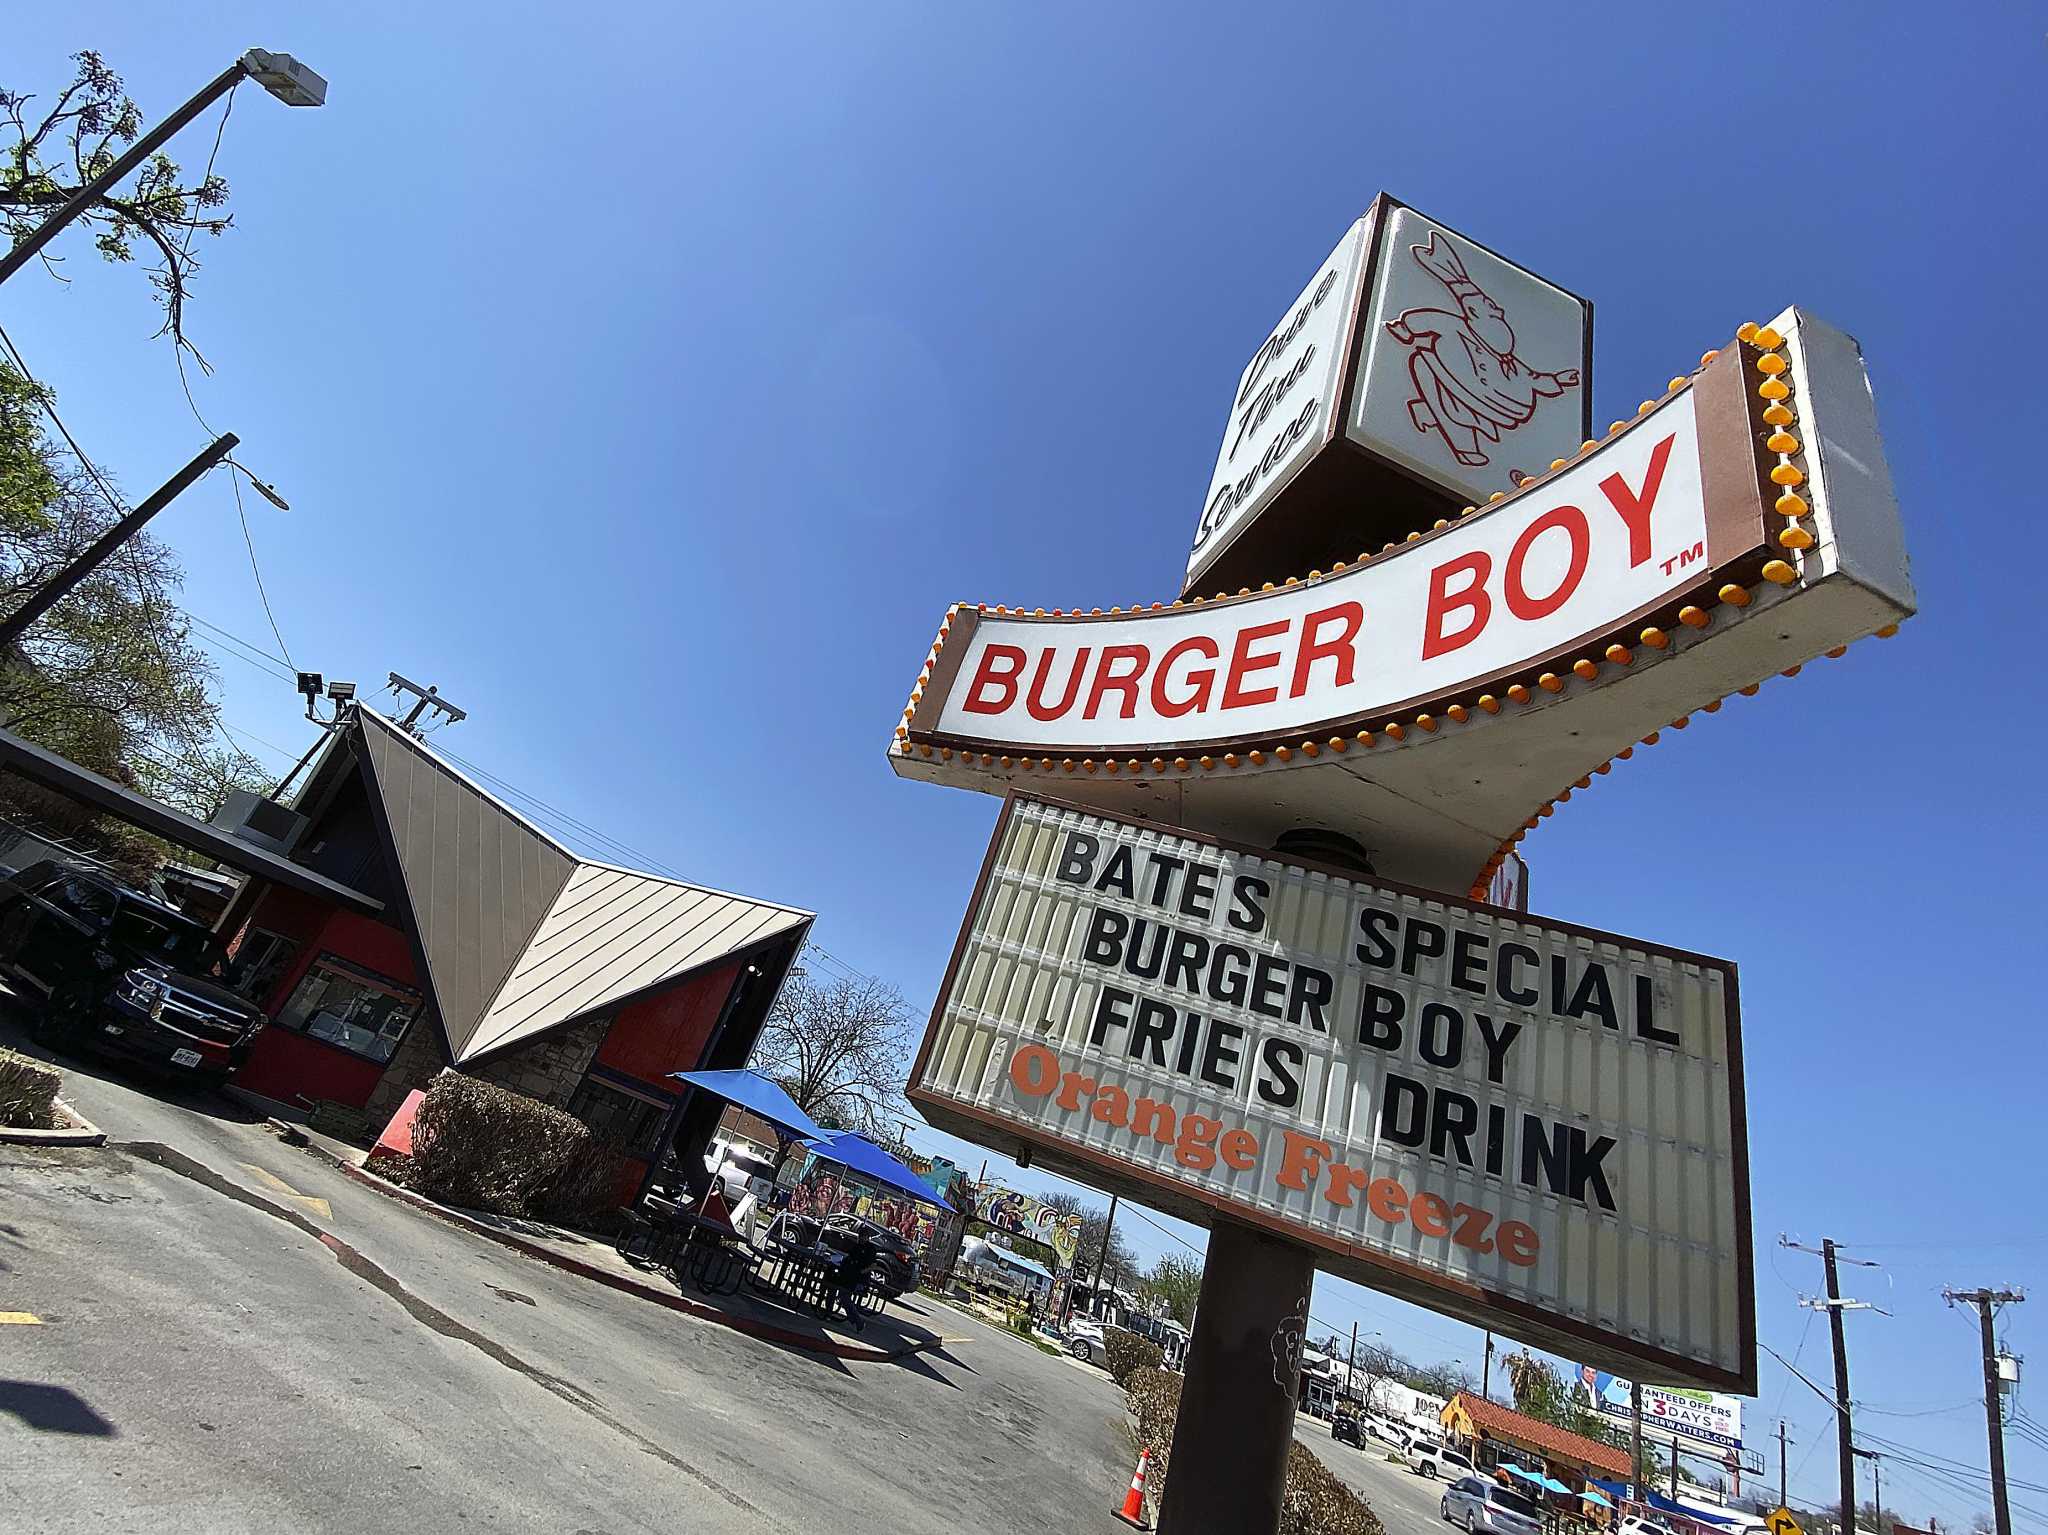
(1406, 1503)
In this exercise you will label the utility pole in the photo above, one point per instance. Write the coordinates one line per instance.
(61, 585)
(1486, 1369)
(429, 698)
(278, 73)
(1351, 1371)
(1994, 1416)
(1835, 1305)
(1635, 1434)
(1108, 1230)
(1877, 1484)
(1782, 1503)
(1845, 1445)
(1674, 1468)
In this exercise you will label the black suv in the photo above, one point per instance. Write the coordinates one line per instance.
(119, 971)
(895, 1267)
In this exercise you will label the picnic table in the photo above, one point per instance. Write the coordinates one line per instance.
(693, 1246)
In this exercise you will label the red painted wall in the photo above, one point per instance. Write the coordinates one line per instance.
(668, 1032)
(288, 1066)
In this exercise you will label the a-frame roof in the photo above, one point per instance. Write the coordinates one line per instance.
(517, 934)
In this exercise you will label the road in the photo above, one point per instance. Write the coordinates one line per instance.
(245, 1339)
(1406, 1503)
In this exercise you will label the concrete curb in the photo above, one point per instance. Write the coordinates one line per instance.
(766, 1331)
(80, 1132)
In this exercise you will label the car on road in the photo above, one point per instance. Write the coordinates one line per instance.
(895, 1270)
(113, 970)
(1636, 1524)
(1477, 1505)
(1349, 1428)
(1085, 1341)
(1430, 1459)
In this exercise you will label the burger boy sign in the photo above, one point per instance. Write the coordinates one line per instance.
(1486, 1112)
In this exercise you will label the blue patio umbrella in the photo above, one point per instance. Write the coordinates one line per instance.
(1523, 1472)
(1594, 1497)
(860, 1155)
(1551, 1484)
(757, 1095)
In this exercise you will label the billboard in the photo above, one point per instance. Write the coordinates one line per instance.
(1528, 1125)
(1707, 1420)
(1021, 1215)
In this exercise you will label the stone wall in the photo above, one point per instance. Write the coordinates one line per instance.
(417, 1061)
(552, 1067)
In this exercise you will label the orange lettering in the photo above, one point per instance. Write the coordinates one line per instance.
(1431, 1215)
(1345, 1180)
(1387, 1199)
(1239, 1149)
(1072, 1085)
(1518, 1243)
(1034, 1071)
(1301, 1161)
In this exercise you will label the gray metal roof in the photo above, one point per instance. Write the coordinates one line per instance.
(478, 877)
(519, 934)
(613, 934)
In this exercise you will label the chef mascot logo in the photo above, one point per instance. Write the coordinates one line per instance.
(1469, 384)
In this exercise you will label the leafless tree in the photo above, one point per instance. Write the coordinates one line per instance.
(839, 1045)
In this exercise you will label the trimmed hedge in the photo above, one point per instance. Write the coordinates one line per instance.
(1314, 1501)
(28, 1092)
(1127, 1352)
(486, 1147)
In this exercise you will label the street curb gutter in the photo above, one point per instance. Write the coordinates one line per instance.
(80, 1132)
(766, 1331)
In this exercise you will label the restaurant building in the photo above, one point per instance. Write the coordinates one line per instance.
(478, 942)
(1495, 1435)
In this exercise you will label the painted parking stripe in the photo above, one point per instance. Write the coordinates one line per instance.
(22, 1318)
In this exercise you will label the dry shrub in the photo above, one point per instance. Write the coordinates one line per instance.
(1313, 1502)
(28, 1092)
(1125, 1352)
(488, 1148)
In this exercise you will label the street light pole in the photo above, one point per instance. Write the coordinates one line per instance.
(279, 73)
(60, 585)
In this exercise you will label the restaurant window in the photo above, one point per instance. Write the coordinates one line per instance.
(628, 1124)
(358, 1010)
(261, 960)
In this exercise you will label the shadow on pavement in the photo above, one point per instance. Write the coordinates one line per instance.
(52, 1409)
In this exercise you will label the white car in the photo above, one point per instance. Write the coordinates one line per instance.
(1084, 1341)
(1434, 1460)
(1477, 1505)
(1636, 1524)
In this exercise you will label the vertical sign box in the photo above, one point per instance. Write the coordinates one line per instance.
(1417, 372)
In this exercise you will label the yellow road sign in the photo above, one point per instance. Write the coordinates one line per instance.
(1781, 1522)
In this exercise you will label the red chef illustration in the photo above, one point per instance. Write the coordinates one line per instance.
(1469, 384)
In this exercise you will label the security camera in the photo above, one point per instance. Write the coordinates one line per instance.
(310, 683)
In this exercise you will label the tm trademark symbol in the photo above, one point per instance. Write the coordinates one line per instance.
(1685, 557)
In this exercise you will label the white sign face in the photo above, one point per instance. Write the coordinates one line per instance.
(1707, 1419)
(1281, 413)
(1535, 1127)
(1470, 367)
(1616, 533)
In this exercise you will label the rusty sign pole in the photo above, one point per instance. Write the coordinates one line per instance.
(1236, 1420)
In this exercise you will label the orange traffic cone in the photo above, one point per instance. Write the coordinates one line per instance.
(1133, 1511)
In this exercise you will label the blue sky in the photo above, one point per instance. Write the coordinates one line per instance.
(652, 378)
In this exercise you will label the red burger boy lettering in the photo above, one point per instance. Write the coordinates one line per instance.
(1561, 564)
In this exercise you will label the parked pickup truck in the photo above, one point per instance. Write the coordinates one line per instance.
(112, 969)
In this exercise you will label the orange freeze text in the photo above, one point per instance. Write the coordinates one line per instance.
(1307, 1162)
